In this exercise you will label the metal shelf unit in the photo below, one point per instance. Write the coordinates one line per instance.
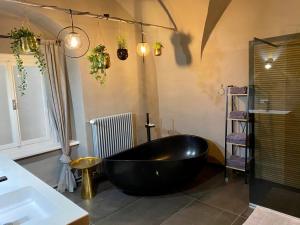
(238, 127)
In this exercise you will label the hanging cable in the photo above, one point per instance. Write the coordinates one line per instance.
(91, 15)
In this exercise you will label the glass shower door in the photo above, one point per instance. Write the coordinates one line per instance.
(275, 109)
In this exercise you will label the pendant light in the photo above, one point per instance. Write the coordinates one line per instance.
(76, 40)
(72, 40)
(143, 48)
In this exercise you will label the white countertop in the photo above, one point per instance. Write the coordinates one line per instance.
(65, 210)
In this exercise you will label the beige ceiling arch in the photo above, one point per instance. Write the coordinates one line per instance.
(216, 8)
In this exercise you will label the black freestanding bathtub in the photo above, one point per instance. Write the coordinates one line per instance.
(159, 166)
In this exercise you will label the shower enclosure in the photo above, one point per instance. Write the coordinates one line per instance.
(275, 110)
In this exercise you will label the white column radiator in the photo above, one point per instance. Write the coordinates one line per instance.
(112, 134)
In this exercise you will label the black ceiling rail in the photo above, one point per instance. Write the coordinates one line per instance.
(93, 15)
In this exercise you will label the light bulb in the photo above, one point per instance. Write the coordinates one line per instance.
(143, 49)
(269, 64)
(73, 41)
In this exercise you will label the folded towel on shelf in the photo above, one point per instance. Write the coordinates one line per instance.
(236, 161)
(238, 115)
(237, 138)
(238, 90)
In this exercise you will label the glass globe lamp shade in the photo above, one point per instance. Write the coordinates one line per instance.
(73, 41)
(143, 49)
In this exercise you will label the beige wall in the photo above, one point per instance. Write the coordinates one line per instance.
(179, 89)
(188, 93)
(124, 90)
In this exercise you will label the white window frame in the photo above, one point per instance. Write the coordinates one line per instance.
(9, 61)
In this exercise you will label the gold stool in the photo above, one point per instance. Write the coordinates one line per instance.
(87, 165)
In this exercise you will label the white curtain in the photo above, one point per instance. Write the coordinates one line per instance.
(56, 83)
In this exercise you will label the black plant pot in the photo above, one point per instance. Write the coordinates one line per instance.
(122, 54)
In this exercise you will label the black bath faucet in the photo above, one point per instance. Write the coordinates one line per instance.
(148, 126)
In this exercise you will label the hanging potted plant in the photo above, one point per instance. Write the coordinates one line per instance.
(100, 61)
(122, 51)
(158, 48)
(25, 41)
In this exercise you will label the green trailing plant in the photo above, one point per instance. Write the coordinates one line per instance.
(25, 41)
(122, 43)
(99, 62)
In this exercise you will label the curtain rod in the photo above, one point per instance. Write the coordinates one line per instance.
(40, 41)
(4, 36)
(91, 15)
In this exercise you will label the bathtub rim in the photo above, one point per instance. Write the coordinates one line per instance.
(204, 153)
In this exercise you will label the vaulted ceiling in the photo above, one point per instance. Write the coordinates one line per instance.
(152, 11)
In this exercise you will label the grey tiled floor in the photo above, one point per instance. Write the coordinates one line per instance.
(209, 201)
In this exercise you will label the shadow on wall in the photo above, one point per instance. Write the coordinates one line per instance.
(215, 154)
(181, 42)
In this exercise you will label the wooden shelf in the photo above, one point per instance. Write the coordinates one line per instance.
(236, 168)
(241, 145)
(237, 122)
(242, 120)
(238, 95)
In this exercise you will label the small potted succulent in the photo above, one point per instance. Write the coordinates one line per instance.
(24, 41)
(158, 48)
(100, 61)
(122, 51)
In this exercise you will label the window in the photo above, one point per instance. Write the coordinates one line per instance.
(24, 120)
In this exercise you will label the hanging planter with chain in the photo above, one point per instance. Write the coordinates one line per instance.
(100, 61)
(25, 41)
(122, 51)
(157, 48)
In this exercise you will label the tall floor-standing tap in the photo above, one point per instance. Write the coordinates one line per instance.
(148, 126)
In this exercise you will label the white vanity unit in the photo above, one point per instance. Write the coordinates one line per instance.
(26, 200)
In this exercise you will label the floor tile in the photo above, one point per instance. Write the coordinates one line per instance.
(147, 211)
(200, 214)
(208, 180)
(209, 200)
(106, 203)
(76, 195)
(73, 196)
(247, 213)
(239, 221)
(232, 196)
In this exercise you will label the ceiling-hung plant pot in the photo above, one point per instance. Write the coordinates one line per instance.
(24, 41)
(122, 54)
(122, 51)
(106, 60)
(158, 48)
(25, 45)
(99, 62)
(28, 44)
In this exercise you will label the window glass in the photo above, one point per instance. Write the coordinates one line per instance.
(32, 105)
(6, 131)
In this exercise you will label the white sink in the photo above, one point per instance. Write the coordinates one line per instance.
(24, 206)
